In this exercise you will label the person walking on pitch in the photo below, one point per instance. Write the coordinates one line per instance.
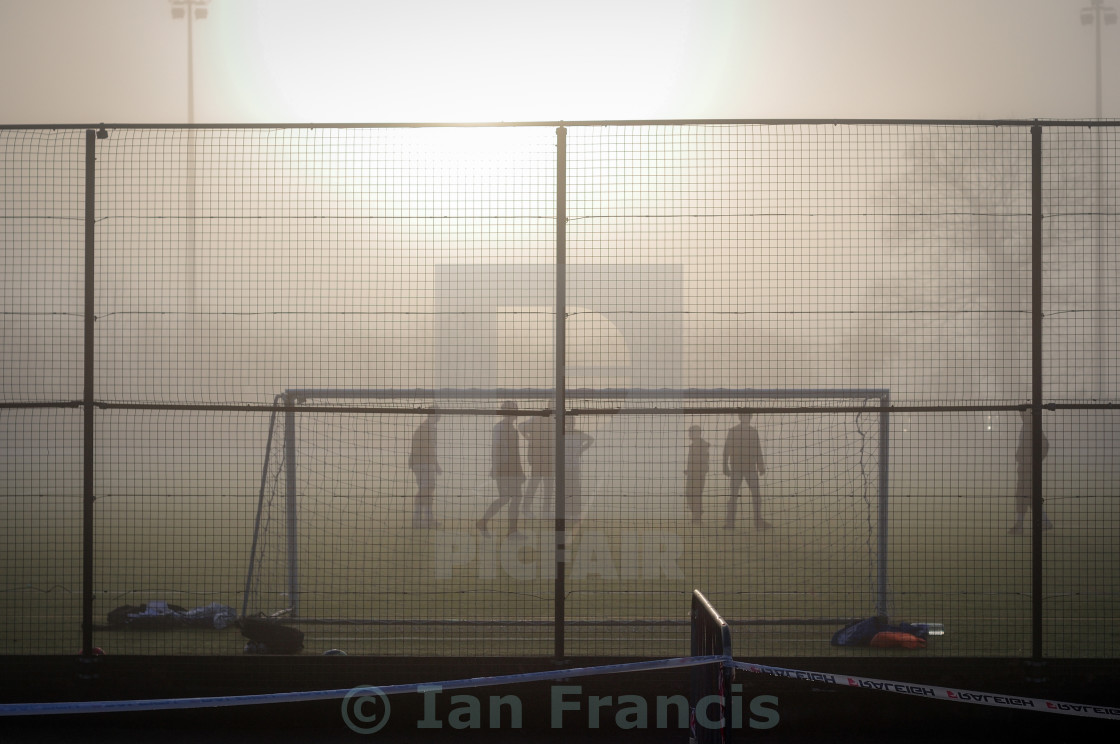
(695, 471)
(424, 463)
(540, 446)
(505, 469)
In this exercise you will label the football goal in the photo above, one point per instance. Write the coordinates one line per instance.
(370, 505)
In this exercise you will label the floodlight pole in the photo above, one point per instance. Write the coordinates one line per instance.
(190, 67)
(1098, 15)
(190, 9)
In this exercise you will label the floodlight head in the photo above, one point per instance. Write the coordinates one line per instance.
(1109, 17)
(200, 13)
(177, 12)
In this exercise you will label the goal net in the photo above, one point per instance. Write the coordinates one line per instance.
(345, 532)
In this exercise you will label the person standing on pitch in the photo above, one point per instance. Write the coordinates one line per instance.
(695, 470)
(505, 468)
(576, 443)
(424, 463)
(540, 442)
(743, 459)
(1023, 472)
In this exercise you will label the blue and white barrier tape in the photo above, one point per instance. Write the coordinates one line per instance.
(953, 694)
(126, 706)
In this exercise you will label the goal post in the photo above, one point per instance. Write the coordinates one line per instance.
(337, 470)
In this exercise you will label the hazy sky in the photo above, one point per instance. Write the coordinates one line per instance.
(302, 61)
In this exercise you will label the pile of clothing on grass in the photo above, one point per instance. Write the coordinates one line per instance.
(878, 633)
(161, 615)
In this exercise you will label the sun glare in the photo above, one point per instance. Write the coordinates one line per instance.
(453, 62)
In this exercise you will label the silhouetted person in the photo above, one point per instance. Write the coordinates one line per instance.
(424, 463)
(695, 470)
(1024, 474)
(743, 459)
(540, 446)
(505, 468)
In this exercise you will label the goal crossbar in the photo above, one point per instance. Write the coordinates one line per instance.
(294, 396)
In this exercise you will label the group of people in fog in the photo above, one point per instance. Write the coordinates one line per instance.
(742, 460)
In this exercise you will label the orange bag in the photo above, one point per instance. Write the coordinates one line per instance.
(894, 639)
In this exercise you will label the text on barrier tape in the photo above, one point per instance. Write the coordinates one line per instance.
(938, 693)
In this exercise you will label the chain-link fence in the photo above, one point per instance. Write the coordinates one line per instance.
(821, 371)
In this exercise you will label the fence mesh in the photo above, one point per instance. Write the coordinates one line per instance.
(233, 266)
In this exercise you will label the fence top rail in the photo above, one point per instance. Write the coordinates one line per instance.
(591, 393)
(1090, 123)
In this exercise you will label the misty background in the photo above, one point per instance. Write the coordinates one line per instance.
(65, 61)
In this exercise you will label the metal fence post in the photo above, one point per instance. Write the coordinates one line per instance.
(1036, 393)
(87, 400)
(560, 383)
